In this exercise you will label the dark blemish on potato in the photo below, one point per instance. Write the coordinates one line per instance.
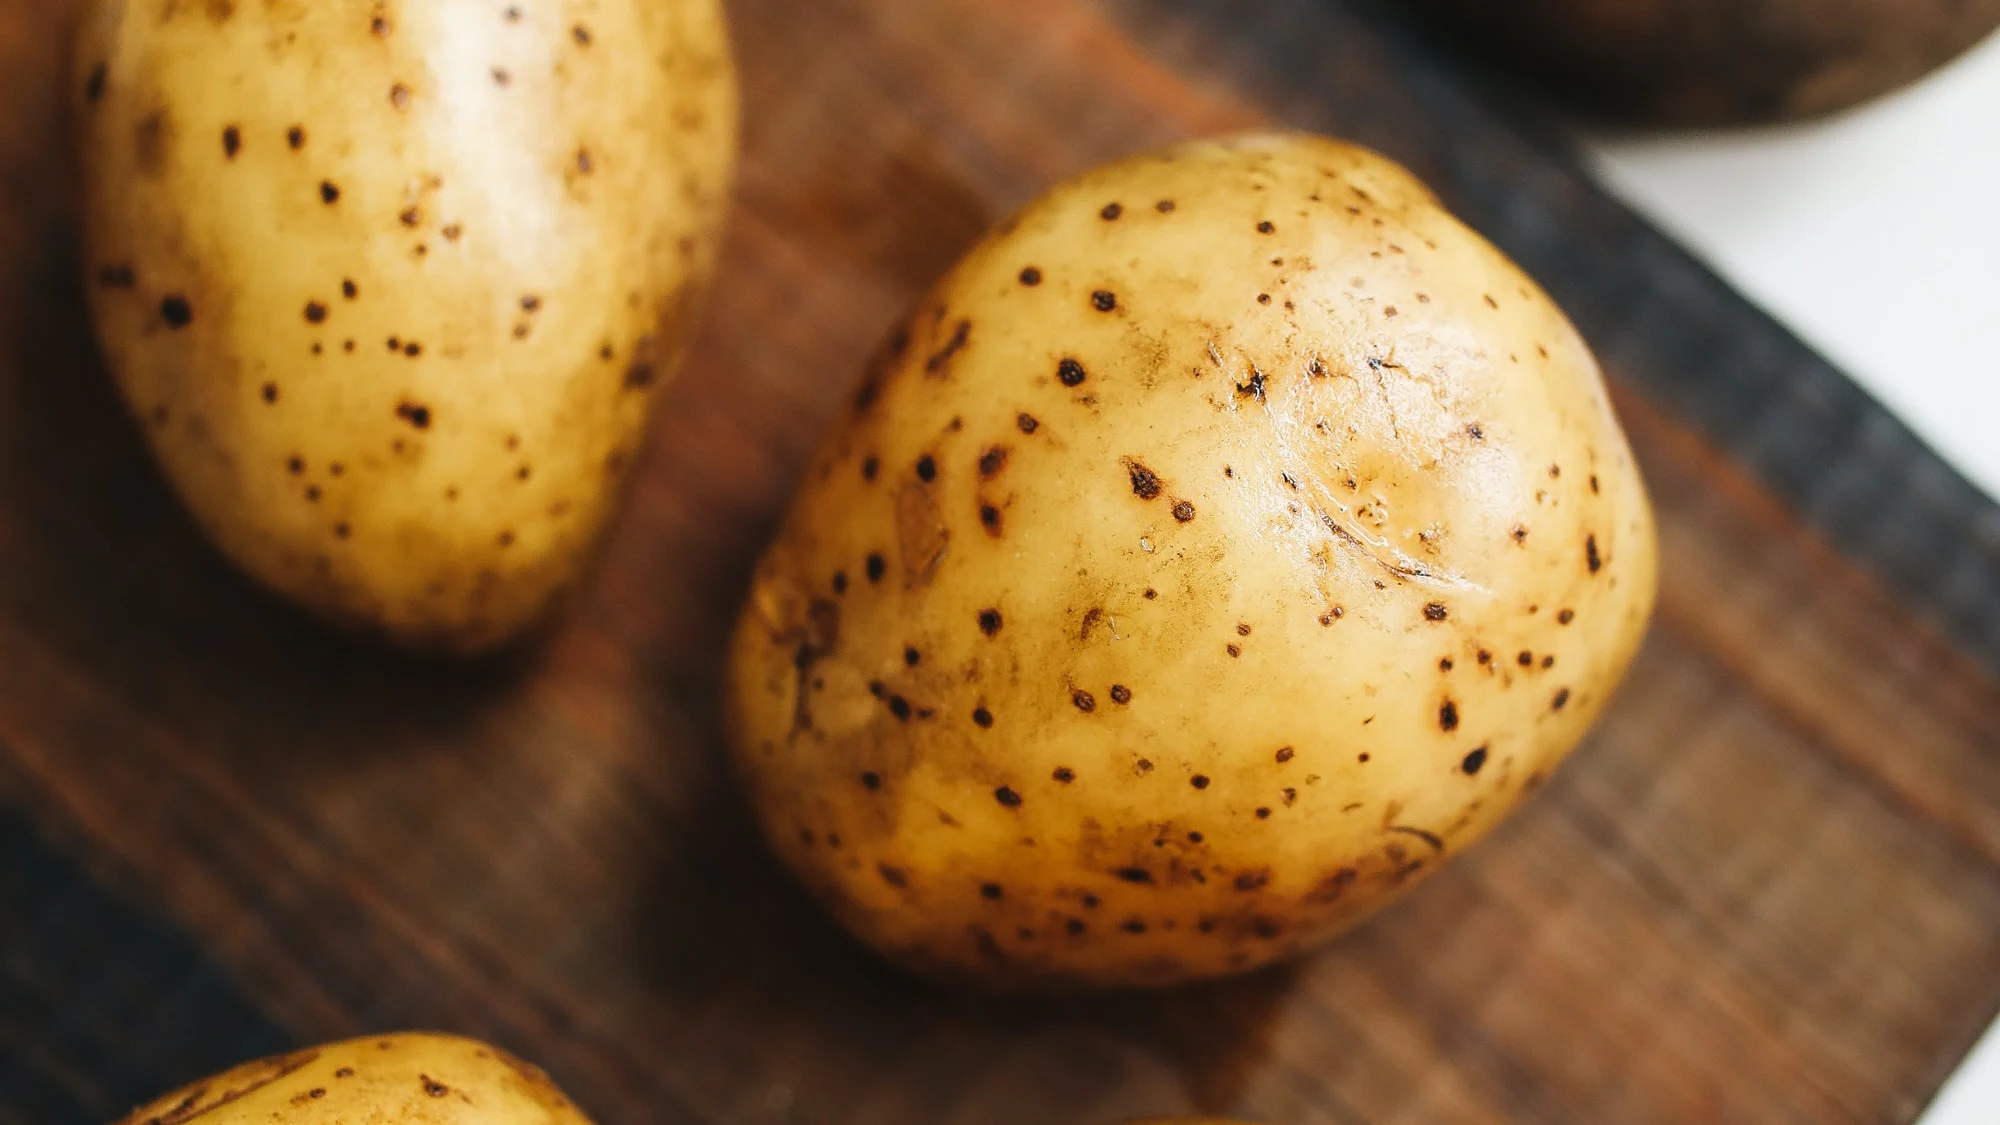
(1362, 757)
(1490, 302)
(295, 465)
(1448, 716)
(1133, 926)
(1284, 755)
(232, 142)
(1264, 813)
(840, 582)
(410, 217)
(893, 876)
(833, 840)
(1519, 534)
(1526, 659)
(1330, 616)
(452, 231)
(328, 193)
(1253, 880)
(116, 277)
(506, 539)
(312, 494)
(1120, 694)
(93, 87)
(1591, 558)
(175, 310)
(270, 392)
(584, 166)
(433, 1087)
(399, 96)
(992, 461)
(989, 518)
(940, 361)
(982, 718)
(581, 34)
(379, 26)
(1267, 227)
(1111, 212)
(993, 891)
(413, 349)
(1183, 511)
(1070, 373)
(1263, 298)
(415, 415)
(1130, 875)
(899, 707)
(1555, 472)
(1255, 387)
(1234, 650)
(296, 137)
(1074, 926)
(1145, 483)
(1084, 701)
(348, 289)
(1474, 762)
(340, 531)
(344, 1072)
(1436, 611)
(926, 468)
(871, 780)
(876, 567)
(1164, 206)
(1565, 617)
(1199, 781)
(1242, 630)
(1026, 423)
(1444, 664)
(512, 14)
(347, 345)
(1031, 277)
(989, 621)
(911, 657)
(1007, 797)
(1560, 701)
(315, 312)
(1104, 300)
(316, 1092)
(501, 77)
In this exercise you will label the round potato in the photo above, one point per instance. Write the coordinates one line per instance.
(1707, 62)
(391, 285)
(388, 1080)
(1225, 543)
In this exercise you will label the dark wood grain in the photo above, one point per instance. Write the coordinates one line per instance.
(1767, 890)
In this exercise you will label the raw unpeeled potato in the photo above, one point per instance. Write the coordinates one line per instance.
(1225, 543)
(411, 1079)
(391, 286)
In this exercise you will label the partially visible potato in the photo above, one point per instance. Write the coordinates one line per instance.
(412, 1079)
(1706, 62)
(391, 285)
(1225, 543)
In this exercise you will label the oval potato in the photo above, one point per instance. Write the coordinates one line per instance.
(1225, 543)
(390, 286)
(403, 1079)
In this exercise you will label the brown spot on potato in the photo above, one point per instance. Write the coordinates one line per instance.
(1267, 227)
(348, 289)
(433, 1087)
(926, 468)
(1104, 300)
(1130, 875)
(270, 392)
(581, 34)
(1026, 423)
(1560, 701)
(1070, 372)
(1183, 511)
(399, 96)
(894, 876)
(1263, 812)
(871, 780)
(1591, 558)
(1007, 797)
(992, 461)
(1199, 781)
(1436, 611)
(1031, 277)
(1145, 483)
(992, 891)
(1083, 700)
(1448, 716)
(1234, 650)
(175, 310)
(1474, 761)
(415, 414)
(982, 718)
(93, 87)
(1565, 617)
(232, 142)
(315, 312)
(296, 137)
(329, 194)
(876, 566)
(989, 518)
(1120, 694)
(989, 621)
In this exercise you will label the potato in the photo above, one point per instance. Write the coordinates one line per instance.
(1693, 62)
(391, 285)
(1224, 543)
(386, 1080)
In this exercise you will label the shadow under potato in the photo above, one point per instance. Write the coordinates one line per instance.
(1714, 62)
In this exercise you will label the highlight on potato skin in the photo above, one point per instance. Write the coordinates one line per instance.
(416, 1078)
(1225, 543)
(391, 288)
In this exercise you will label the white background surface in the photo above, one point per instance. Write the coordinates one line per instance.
(1876, 237)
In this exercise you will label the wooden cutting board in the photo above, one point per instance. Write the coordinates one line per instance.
(1766, 890)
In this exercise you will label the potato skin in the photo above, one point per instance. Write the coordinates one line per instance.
(390, 284)
(406, 1079)
(1719, 62)
(1225, 541)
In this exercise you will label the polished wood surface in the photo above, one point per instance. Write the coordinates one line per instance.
(1766, 890)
